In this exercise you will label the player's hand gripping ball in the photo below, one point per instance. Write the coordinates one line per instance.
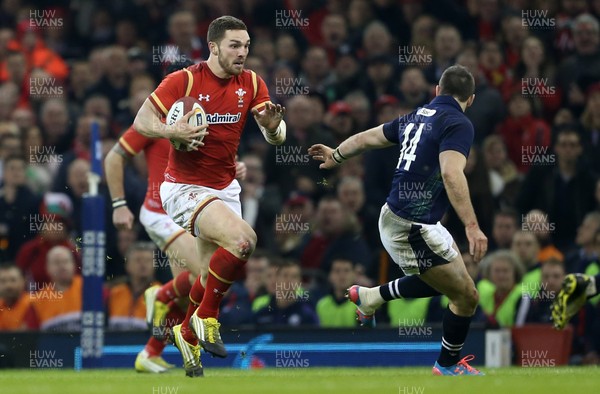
(178, 110)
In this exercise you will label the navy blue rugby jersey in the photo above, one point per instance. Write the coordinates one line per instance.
(418, 192)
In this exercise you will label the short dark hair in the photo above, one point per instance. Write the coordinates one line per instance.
(458, 82)
(218, 27)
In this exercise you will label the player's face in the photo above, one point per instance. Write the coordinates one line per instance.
(233, 51)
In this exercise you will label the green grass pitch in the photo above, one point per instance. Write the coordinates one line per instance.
(303, 380)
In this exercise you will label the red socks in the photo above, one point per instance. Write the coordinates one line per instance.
(154, 347)
(196, 295)
(223, 270)
(178, 287)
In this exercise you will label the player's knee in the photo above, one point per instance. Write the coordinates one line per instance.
(471, 299)
(245, 243)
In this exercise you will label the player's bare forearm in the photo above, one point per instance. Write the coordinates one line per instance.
(366, 140)
(458, 194)
(147, 122)
(114, 165)
(353, 146)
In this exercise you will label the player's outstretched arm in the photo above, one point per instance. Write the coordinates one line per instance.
(114, 166)
(353, 146)
(452, 165)
(148, 123)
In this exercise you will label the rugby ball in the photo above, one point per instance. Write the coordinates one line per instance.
(178, 110)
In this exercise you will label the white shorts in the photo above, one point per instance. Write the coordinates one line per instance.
(161, 229)
(183, 202)
(415, 247)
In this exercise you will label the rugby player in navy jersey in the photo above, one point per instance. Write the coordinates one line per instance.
(434, 144)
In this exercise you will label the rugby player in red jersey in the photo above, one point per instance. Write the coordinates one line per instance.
(199, 191)
(179, 245)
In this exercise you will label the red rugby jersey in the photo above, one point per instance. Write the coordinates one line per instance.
(227, 103)
(156, 151)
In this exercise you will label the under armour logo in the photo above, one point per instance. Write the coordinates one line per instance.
(202, 97)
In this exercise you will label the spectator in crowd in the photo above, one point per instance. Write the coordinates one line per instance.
(536, 308)
(16, 67)
(535, 76)
(360, 13)
(289, 165)
(377, 40)
(334, 30)
(54, 120)
(236, 307)
(115, 81)
(568, 188)
(339, 121)
(293, 223)
(527, 137)
(527, 248)
(80, 81)
(24, 118)
(334, 309)
(9, 98)
(503, 175)
(351, 193)
(361, 108)
(447, 45)
(125, 304)
(537, 222)
(504, 227)
(17, 206)
(503, 269)
(15, 301)
(316, 73)
(183, 40)
(57, 303)
(348, 75)
(565, 14)
(494, 68)
(287, 51)
(586, 252)
(290, 305)
(52, 226)
(590, 120)
(380, 77)
(260, 203)
(410, 312)
(414, 90)
(29, 40)
(336, 231)
(583, 67)
(10, 144)
(514, 33)
(423, 31)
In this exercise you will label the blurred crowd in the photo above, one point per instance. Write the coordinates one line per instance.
(339, 67)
